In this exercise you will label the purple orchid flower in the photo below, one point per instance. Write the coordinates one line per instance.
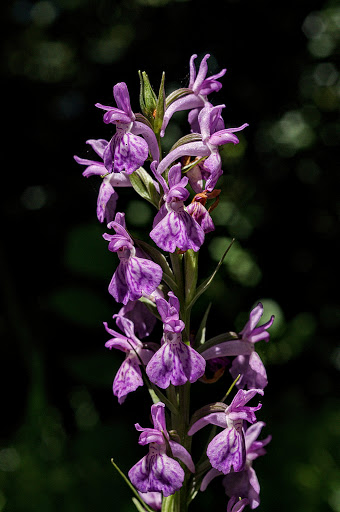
(243, 484)
(175, 362)
(129, 376)
(173, 226)
(200, 86)
(135, 276)
(127, 150)
(227, 450)
(107, 196)
(157, 471)
(250, 366)
(208, 147)
(248, 363)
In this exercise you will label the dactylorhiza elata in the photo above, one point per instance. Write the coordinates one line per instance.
(157, 281)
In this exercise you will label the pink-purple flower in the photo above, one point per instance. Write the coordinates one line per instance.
(200, 86)
(209, 119)
(227, 450)
(243, 484)
(107, 196)
(247, 362)
(127, 151)
(129, 376)
(158, 471)
(173, 226)
(135, 275)
(175, 362)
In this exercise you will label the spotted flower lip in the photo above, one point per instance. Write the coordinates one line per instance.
(227, 449)
(135, 276)
(175, 362)
(173, 226)
(243, 484)
(200, 85)
(127, 151)
(157, 471)
(107, 196)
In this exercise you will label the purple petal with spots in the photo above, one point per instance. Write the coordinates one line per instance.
(201, 216)
(142, 276)
(134, 278)
(127, 379)
(106, 202)
(227, 450)
(175, 363)
(178, 229)
(129, 152)
(157, 472)
(182, 454)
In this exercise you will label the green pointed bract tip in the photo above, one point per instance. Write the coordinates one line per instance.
(231, 387)
(160, 109)
(147, 97)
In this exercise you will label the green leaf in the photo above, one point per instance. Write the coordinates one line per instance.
(190, 274)
(205, 285)
(175, 95)
(147, 96)
(191, 137)
(221, 338)
(160, 109)
(144, 185)
(200, 336)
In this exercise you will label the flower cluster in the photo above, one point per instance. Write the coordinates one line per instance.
(153, 287)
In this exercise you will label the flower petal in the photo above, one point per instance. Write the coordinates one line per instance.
(157, 473)
(127, 379)
(227, 450)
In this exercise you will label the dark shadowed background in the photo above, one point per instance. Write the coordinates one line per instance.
(60, 423)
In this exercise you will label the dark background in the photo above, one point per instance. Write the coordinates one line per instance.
(60, 423)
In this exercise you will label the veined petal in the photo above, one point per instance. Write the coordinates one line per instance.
(122, 98)
(118, 287)
(212, 473)
(178, 229)
(142, 276)
(157, 472)
(197, 148)
(106, 202)
(130, 152)
(139, 128)
(175, 363)
(187, 102)
(149, 435)
(228, 348)
(215, 418)
(158, 416)
(127, 379)
(182, 454)
(227, 450)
